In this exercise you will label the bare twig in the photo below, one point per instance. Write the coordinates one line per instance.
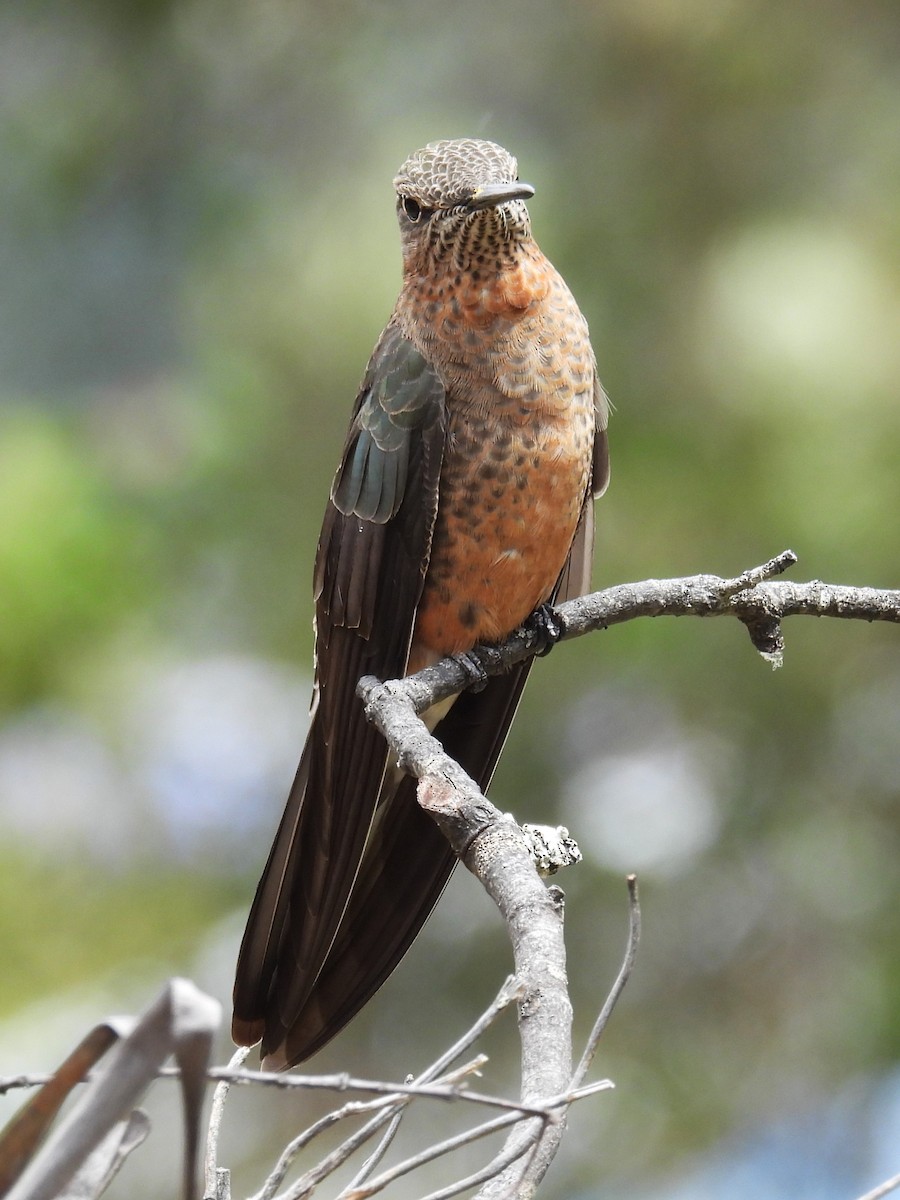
(554, 1105)
(501, 1162)
(386, 1111)
(377, 1155)
(216, 1112)
(386, 1091)
(768, 570)
(883, 1189)
(496, 851)
(308, 1182)
(634, 937)
(324, 1168)
(10, 1083)
(507, 993)
(430, 1153)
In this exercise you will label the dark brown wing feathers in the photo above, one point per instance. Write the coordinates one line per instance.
(318, 847)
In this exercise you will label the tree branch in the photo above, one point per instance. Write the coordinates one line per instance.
(751, 597)
(495, 850)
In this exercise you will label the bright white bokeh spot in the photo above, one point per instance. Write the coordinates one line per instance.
(650, 810)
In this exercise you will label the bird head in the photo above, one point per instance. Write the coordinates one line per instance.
(461, 203)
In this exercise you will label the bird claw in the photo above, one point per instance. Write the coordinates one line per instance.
(476, 676)
(547, 627)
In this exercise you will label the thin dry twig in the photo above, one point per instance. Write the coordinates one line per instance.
(393, 1111)
(508, 992)
(328, 1164)
(308, 1182)
(550, 1114)
(501, 1162)
(386, 1091)
(437, 1150)
(216, 1113)
(883, 1189)
(384, 1144)
(631, 949)
(11, 1083)
(553, 1107)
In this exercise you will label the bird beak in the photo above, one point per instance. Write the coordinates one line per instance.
(493, 194)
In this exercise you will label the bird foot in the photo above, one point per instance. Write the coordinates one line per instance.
(476, 676)
(546, 626)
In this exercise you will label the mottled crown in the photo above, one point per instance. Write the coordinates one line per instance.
(446, 173)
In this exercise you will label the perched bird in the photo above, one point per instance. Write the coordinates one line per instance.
(463, 502)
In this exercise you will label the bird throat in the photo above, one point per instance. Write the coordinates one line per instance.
(508, 292)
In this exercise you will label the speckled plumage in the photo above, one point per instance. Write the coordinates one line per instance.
(462, 502)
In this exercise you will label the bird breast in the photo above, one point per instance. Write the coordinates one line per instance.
(517, 458)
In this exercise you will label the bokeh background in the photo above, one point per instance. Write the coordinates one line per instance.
(197, 252)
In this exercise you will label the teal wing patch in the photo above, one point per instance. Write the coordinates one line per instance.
(400, 394)
(376, 539)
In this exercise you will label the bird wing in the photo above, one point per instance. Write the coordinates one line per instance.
(372, 557)
(408, 861)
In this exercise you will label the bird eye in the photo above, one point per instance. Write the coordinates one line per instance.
(414, 211)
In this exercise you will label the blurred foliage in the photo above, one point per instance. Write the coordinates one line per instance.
(104, 927)
(198, 251)
(67, 560)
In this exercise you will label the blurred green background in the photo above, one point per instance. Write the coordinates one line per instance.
(198, 251)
